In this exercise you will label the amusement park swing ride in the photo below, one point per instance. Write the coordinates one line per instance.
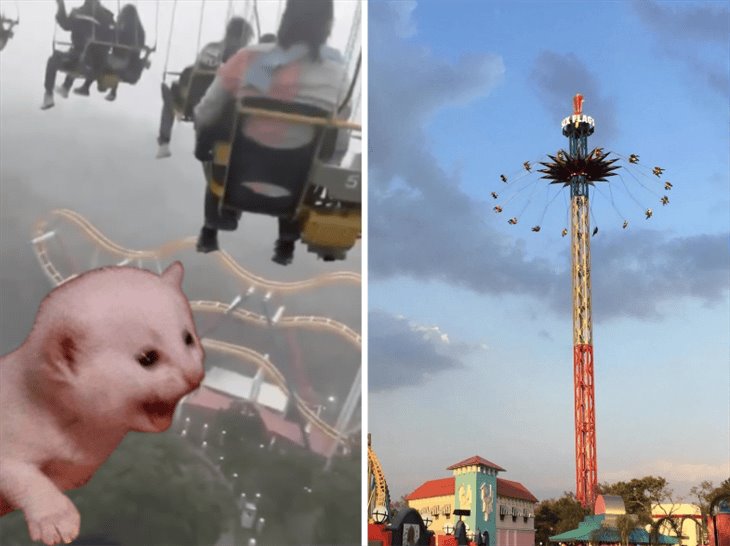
(581, 171)
(322, 198)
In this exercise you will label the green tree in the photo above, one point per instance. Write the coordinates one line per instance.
(397, 506)
(337, 492)
(639, 494)
(704, 493)
(555, 516)
(154, 489)
(625, 523)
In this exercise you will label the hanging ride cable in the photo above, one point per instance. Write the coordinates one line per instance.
(169, 41)
(256, 18)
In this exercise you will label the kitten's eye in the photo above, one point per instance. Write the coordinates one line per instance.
(148, 358)
(189, 340)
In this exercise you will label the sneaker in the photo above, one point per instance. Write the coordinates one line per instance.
(62, 91)
(207, 241)
(163, 151)
(83, 91)
(283, 252)
(111, 96)
(47, 101)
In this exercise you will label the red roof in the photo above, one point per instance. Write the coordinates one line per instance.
(433, 488)
(276, 424)
(514, 490)
(209, 399)
(445, 487)
(476, 459)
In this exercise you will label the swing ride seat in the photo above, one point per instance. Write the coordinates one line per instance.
(331, 211)
(121, 67)
(79, 65)
(291, 183)
(250, 177)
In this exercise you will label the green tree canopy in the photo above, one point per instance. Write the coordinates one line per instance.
(555, 516)
(154, 489)
(639, 494)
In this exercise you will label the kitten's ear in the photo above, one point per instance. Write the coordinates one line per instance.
(61, 349)
(173, 275)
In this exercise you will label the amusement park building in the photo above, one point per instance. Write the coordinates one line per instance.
(504, 508)
(683, 520)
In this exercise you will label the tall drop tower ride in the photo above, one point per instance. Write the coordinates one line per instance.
(579, 170)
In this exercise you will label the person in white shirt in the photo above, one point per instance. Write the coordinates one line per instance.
(300, 68)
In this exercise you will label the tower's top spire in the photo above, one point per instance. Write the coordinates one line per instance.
(577, 104)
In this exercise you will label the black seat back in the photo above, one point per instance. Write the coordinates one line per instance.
(270, 180)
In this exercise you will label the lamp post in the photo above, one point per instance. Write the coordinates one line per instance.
(380, 514)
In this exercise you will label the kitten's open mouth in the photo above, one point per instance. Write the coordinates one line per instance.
(160, 412)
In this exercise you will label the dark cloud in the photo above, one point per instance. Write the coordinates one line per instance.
(643, 269)
(559, 76)
(709, 22)
(401, 353)
(696, 36)
(424, 226)
(421, 223)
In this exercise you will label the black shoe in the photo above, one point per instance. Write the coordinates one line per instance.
(83, 91)
(283, 252)
(207, 241)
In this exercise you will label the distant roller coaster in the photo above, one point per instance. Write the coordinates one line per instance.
(43, 234)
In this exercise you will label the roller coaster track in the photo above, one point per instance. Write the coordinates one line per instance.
(378, 494)
(127, 254)
(306, 322)
(244, 353)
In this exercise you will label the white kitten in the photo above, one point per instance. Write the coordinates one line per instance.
(112, 350)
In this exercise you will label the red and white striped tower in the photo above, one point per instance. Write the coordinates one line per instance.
(577, 128)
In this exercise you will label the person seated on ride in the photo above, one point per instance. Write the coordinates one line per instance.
(298, 68)
(125, 62)
(90, 22)
(237, 35)
(6, 31)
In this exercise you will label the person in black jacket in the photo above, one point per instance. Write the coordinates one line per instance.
(87, 24)
(125, 61)
(237, 35)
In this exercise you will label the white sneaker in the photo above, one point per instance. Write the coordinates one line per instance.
(163, 151)
(47, 101)
(63, 91)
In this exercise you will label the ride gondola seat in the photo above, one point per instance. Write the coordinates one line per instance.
(289, 183)
(260, 179)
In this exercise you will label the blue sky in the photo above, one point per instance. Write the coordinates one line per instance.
(470, 346)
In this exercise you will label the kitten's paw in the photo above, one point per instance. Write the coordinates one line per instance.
(56, 521)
